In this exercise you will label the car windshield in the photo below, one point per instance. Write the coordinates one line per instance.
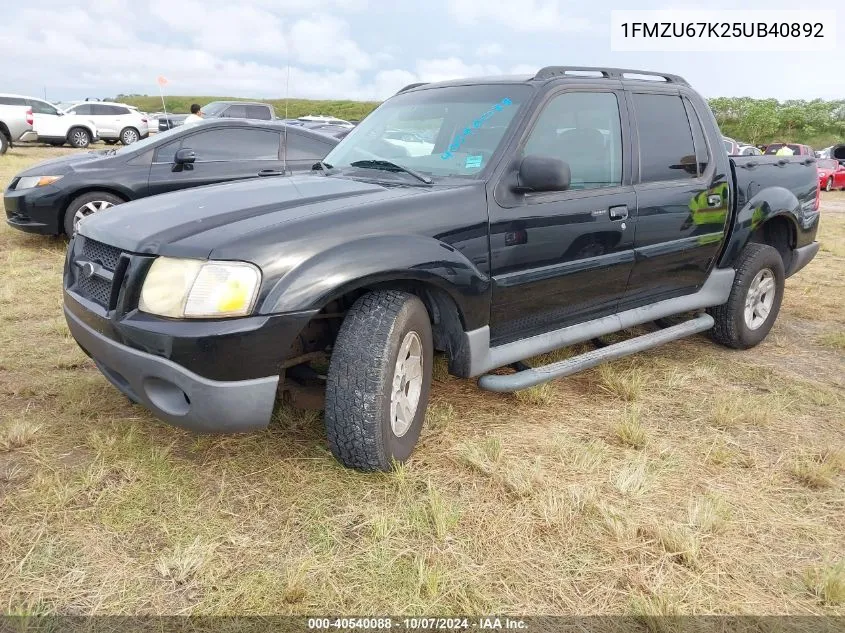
(450, 131)
(826, 164)
(214, 108)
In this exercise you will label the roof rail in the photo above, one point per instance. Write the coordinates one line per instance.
(550, 72)
(410, 86)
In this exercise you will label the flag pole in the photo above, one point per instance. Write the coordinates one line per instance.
(161, 81)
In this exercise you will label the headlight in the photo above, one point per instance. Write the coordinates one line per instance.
(191, 288)
(28, 182)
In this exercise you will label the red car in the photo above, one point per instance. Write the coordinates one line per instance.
(831, 174)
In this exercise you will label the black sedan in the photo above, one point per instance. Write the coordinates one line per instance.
(53, 196)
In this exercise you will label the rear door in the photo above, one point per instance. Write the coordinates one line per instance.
(564, 257)
(107, 119)
(681, 199)
(46, 119)
(222, 154)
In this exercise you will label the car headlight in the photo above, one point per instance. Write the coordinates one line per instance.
(195, 289)
(28, 182)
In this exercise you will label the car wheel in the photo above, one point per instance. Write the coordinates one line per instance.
(829, 185)
(79, 137)
(110, 141)
(129, 135)
(379, 380)
(754, 302)
(85, 205)
(4, 143)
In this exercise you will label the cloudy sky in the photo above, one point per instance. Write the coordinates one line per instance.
(357, 49)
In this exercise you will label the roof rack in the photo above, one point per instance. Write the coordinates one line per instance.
(410, 86)
(550, 72)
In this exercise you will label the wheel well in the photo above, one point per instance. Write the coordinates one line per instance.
(778, 233)
(447, 325)
(129, 127)
(82, 127)
(85, 190)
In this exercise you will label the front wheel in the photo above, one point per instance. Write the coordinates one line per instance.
(379, 380)
(829, 185)
(79, 137)
(754, 302)
(4, 143)
(85, 205)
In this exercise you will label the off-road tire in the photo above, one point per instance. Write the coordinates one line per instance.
(730, 328)
(360, 380)
(81, 201)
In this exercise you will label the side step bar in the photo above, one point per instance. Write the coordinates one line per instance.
(537, 375)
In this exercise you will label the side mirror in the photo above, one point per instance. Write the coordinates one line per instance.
(542, 173)
(184, 156)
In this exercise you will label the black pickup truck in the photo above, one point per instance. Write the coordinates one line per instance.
(512, 217)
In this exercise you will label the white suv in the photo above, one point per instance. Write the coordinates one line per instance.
(115, 121)
(51, 125)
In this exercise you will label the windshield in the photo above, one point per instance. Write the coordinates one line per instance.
(826, 164)
(214, 108)
(452, 131)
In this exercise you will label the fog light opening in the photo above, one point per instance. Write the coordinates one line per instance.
(166, 396)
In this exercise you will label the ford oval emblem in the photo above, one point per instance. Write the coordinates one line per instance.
(87, 270)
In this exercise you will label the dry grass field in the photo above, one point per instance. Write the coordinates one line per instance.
(687, 480)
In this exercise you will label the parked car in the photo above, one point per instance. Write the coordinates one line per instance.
(238, 110)
(51, 125)
(15, 120)
(749, 150)
(325, 120)
(824, 153)
(797, 149)
(170, 121)
(337, 131)
(731, 146)
(54, 196)
(115, 121)
(831, 174)
(506, 241)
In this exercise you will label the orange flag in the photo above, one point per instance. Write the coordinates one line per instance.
(162, 80)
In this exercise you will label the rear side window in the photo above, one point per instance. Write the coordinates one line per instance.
(666, 146)
(258, 112)
(303, 148)
(702, 154)
(15, 101)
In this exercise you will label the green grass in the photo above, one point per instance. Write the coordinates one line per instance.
(690, 479)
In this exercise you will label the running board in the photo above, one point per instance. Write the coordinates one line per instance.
(537, 375)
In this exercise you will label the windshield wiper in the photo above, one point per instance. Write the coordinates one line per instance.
(390, 166)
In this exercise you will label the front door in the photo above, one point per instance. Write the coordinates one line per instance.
(682, 200)
(564, 257)
(222, 154)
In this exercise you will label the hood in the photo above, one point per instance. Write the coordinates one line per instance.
(60, 166)
(193, 222)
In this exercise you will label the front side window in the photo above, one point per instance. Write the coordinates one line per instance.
(235, 112)
(584, 130)
(84, 109)
(40, 107)
(666, 147)
(258, 112)
(702, 154)
(304, 148)
(441, 132)
(227, 145)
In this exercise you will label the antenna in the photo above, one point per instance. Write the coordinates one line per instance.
(285, 147)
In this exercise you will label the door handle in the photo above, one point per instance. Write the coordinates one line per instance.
(618, 213)
(271, 172)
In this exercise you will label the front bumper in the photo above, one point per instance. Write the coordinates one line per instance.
(35, 210)
(175, 394)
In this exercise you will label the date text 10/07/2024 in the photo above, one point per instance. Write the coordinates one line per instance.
(491, 623)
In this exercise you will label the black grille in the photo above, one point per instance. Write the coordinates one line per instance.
(95, 269)
(103, 254)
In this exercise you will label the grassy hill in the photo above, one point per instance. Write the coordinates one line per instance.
(343, 109)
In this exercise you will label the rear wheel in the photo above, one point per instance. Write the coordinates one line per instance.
(379, 380)
(79, 137)
(754, 302)
(129, 135)
(85, 205)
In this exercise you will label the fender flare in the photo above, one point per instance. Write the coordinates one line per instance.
(378, 260)
(768, 203)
